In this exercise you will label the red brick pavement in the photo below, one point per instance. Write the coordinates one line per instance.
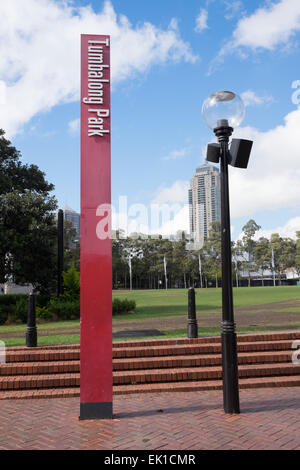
(270, 419)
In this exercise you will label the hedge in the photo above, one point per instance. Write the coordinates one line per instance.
(13, 308)
(123, 306)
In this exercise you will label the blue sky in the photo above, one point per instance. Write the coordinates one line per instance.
(167, 57)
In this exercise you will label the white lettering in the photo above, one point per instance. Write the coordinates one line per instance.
(96, 81)
(103, 229)
(296, 354)
(296, 94)
(2, 352)
(106, 42)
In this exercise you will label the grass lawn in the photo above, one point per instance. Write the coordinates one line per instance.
(162, 303)
(172, 303)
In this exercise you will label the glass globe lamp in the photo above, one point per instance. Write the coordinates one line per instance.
(223, 109)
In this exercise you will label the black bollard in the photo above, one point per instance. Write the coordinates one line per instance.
(31, 332)
(192, 320)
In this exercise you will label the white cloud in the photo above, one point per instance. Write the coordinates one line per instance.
(201, 21)
(74, 126)
(2, 93)
(267, 28)
(233, 8)
(177, 193)
(177, 154)
(287, 230)
(180, 221)
(40, 53)
(272, 180)
(250, 98)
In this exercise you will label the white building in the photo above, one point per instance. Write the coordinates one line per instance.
(204, 202)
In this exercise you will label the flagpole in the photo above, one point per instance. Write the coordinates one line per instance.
(200, 271)
(273, 268)
(236, 273)
(165, 269)
(130, 271)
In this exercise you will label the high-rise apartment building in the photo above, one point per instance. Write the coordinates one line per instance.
(204, 202)
(74, 218)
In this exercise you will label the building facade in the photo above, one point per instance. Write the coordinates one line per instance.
(204, 202)
(74, 218)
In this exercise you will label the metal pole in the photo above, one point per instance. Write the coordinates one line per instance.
(60, 250)
(273, 268)
(236, 274)
(229, 343)
(31, 332)
(192, 320)
(200, 271)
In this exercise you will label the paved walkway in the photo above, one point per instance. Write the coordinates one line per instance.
(270, 419)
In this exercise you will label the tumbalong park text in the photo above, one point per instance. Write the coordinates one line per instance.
(98, 74)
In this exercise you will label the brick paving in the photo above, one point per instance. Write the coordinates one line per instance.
(270, 419)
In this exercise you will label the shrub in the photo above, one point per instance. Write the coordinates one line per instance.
(64, 310)
(3, 314)
(11, 299)
(13, 307)
(71, 284)
(21, 310)
(123, 306)
(43, 313)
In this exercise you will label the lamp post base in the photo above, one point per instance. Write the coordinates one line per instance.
(230, 369)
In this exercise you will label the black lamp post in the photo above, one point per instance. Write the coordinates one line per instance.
(223, 111)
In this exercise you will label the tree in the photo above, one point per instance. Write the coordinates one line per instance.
(248, 245)
(212, 250)
(27, 226)
(284, 254)
(262, 256)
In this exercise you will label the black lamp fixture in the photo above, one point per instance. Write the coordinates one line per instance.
(222, 112)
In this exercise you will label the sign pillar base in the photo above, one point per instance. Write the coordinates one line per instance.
(96, 411)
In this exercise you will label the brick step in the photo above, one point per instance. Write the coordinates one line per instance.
(39, 368)
(252, 337)
(209, 348)
(261, 382)
(146, 376)
(51, 347)
(200, 360)
(165, 362)
(41, 355)
(273, 336)
(201, 373)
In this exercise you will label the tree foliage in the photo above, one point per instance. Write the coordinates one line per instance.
(27, 225)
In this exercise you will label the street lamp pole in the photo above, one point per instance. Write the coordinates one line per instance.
(222, 112)
(229, 342)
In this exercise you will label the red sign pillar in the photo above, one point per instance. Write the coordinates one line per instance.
(95, 240)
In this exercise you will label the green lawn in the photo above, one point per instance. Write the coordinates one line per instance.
(174, 302)
(171, 303)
